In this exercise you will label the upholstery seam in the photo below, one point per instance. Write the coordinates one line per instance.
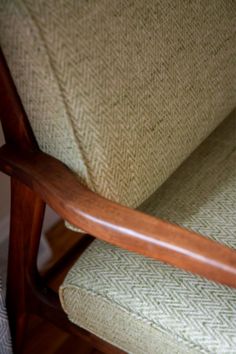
(134, 315)
(41, 37)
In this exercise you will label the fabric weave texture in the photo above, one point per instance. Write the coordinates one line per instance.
(5, 341)
(122, 91)
(145, 306)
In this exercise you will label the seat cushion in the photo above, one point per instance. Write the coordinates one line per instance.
(144, 306)
(122, 91)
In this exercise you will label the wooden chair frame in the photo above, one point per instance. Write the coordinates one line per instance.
(36, 179)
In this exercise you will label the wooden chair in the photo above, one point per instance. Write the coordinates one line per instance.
(36, 179)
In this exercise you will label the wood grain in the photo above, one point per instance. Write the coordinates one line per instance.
(33, 295)
(15, 124)
(27, 211)
(42, 336)
(38, 178)
(119, 225)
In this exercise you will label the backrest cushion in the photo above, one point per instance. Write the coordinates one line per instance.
(122, 91)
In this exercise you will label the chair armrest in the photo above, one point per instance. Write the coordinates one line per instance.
(117, 224)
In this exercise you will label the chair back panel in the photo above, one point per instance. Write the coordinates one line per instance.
(122, 91)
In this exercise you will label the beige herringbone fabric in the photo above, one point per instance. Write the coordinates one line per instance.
(145, 306)
(122, 91)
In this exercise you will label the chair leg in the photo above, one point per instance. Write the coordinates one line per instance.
(27, 212)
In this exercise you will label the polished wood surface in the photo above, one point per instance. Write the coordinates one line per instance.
(119, 225)
(38, 178)
(16, 127)
(27, 211)
(45, 338)
(30, 295)
(42, 336)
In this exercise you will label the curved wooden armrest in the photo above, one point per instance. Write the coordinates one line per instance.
(119, 225)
